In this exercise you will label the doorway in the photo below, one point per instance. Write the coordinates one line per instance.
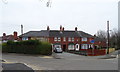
(64, 47)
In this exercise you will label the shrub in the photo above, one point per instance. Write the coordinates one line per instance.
(45, 48)
(28, 47)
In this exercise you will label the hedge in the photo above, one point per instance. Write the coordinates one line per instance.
(27, 47)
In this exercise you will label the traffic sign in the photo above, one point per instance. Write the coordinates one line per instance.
(92, 41)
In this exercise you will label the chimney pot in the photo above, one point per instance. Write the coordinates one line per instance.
(94, 35)
(63, 28)
(75, 28)
(60, 27)
(48, 28)
(4, 34)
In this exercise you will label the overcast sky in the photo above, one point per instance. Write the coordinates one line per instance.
(88, 15)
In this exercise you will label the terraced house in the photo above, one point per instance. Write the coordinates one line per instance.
(66, 39)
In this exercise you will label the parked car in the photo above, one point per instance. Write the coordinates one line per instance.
(58, 50)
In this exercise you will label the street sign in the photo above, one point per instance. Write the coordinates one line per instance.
(92, 41)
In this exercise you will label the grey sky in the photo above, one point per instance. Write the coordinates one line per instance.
(88, 15)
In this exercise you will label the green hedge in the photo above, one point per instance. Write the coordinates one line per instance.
(27, 47)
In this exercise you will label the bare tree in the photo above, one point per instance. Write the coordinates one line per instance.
(101, 34)
(114, 39)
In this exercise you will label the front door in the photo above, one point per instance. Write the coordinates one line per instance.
(64, 47)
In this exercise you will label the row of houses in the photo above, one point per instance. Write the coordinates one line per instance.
(66, 39)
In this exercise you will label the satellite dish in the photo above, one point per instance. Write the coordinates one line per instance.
(5, 1)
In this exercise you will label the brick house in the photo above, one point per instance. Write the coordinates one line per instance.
(13, 37)
(66, 39)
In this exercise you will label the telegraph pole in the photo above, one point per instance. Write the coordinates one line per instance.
(107, 37)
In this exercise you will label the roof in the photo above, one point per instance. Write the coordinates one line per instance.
(83, 34)
(56, 33)
(8, 37)
(36, 34)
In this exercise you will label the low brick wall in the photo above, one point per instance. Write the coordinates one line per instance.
(89, 52)
(96, 52)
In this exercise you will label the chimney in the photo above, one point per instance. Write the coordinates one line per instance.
(94, 35)
(48, 28)
(4, 34)
(15, 35)
(63, 28)
(60, 27)
(75, 28)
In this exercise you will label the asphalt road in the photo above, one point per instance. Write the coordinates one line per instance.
(14, 67)
(63, 61)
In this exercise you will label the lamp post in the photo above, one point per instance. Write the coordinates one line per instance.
(107, 37)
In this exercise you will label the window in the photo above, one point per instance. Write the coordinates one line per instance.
(84, 46)
(69, 39)
(55, 38)
(24, 38)
(70, 47)
(64, 39)
(59, 39)
(84, 39)
(72, 38)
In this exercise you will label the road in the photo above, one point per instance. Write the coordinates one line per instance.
(64, 61)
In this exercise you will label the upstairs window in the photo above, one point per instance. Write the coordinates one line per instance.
(72, 38)
(59, 39)
(69, 39)
(84, 39)
(55, 38)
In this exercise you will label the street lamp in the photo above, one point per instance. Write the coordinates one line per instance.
(108, 37)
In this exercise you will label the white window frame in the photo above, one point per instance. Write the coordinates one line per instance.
(69, 38)
(72, 39)
(84, 46)
(84, 39)
(59, 38)
(55, 38)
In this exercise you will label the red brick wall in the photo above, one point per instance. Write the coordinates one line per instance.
(96, 52)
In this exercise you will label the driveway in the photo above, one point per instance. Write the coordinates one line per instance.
(63, 61)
